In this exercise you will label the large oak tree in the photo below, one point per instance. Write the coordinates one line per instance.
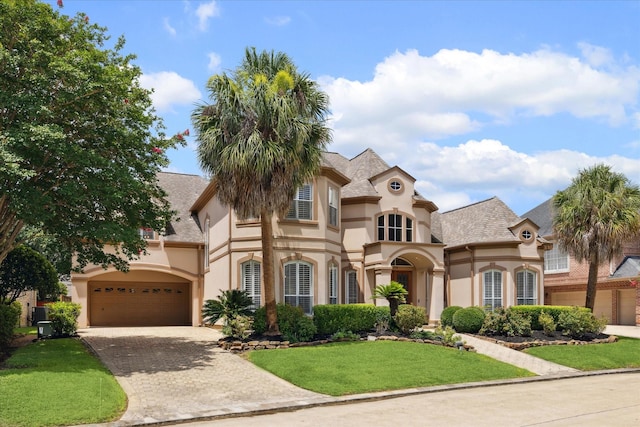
(261, 138)
(80, 144)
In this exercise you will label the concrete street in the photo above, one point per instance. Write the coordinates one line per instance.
(602, 400)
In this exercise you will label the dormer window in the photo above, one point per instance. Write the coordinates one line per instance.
(395, 186)
(395, 228)
(526, 235)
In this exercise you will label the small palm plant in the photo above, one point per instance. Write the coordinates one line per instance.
(394, 292)
(231, 305)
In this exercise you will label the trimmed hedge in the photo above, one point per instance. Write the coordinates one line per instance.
(468, 320)
(534, 311)
(294, 325)
(9, 316)
(357, 318)
(446, 318)
(410, 317)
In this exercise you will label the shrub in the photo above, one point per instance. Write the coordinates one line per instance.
(9, 316)
(506, 322)
(230, 304)
(64, 317)
(577, 323)
(468, 319)
(410, 317)
(446, 318)
(358, 318)
(534, 311)
(345, 336)
(394, 292)
(447, 335)
(238, 327)
(548, 324)
(292, 322)
(383, 320)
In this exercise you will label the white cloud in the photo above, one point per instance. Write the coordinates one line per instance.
(167, 26)
(595, 55)
(214, 62)
(277, 21)
(206, 11)
(413, 97)
(169, 88)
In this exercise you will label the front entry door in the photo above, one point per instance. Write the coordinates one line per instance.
(405, 278)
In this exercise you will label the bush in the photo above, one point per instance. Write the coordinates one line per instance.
(64, 317)
(446, 318)
(9, 317)
(577, 323)
(468, 319)
(292, 322)
(548, 324)
(345, 336)
(507, 322)
(410, 317)
(534, 311)
(358, 318)
(383, 320)
(238, 327)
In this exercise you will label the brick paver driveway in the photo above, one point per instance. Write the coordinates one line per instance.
(179, 373)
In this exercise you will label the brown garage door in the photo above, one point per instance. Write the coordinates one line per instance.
(139, 304)
(627, 307)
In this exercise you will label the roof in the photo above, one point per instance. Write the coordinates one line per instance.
(542, 215)
(482, 222)
(182, 191)
(629, 267)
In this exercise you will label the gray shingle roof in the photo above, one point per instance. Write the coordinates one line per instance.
(182, 191)
(542, 215)
(629, 267)
(486, 221)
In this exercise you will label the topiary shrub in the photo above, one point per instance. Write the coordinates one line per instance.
(446, 318)
(410, 317)
(64, 317)
(468, 320)
(357, 318)
(9, 316)
(294, 325)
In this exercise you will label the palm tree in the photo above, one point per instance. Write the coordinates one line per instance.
(394, 292)
(594, 217)
(260, 139)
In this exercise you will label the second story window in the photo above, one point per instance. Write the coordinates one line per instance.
(556, 260)
(333, 206)
(302, 205)
(395, 228)
(147, 234)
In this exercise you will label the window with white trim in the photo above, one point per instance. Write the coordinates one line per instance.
(147, 233)
(298, 285)
(302, 205)
(556, 260)
(526, 288)
(492, 289)
(395, 228)
(333, 206)
(251, 281)
(333, 284)
(206, 243)
(351, 287)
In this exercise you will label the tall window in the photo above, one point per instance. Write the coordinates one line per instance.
(333, 206)
(394, 227)
(526, 288)
(492, 293)
(351, 287)
(556, 260)
(206, 243)
(251, 281)
(302, 205)
(333, 284)
(298, 285)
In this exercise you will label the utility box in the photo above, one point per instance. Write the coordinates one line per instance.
(44, 329)
(38, 314)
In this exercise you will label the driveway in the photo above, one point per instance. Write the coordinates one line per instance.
(179, 373)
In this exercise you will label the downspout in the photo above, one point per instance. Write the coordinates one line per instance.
(472, 274)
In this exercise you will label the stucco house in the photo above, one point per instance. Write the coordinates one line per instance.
(565, 279)
(358, 224)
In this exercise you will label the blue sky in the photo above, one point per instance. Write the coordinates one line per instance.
(474, 99)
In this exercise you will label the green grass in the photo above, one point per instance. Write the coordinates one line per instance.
(349, 368)
(57, 382)
(622, 354)
(26, 330)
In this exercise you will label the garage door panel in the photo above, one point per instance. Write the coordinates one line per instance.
(139, 304)
(602, 306)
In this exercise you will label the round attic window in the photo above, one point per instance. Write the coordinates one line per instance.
(395, 185)
(526, 235)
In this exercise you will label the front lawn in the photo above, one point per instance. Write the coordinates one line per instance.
(57, 382)
(359, 367)
(622, 354)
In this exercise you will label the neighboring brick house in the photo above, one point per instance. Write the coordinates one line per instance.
(565, 279)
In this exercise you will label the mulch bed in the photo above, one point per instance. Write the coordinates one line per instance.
(538, 338)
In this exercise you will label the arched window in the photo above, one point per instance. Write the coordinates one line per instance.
(298, 285)
(351, 287)
(492, 289)
(395, 227)
(526, 288)
(333, 284)
(251, 281)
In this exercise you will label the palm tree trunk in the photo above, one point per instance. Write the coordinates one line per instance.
(268, 278)
(592, 281)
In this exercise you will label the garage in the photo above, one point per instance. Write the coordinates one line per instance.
(603, 306)
(122, 303)
(627, 307)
